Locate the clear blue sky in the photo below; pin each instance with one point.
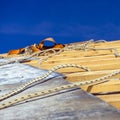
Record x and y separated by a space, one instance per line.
24 22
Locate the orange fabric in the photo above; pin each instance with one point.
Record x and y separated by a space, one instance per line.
18 51
38 47
59 46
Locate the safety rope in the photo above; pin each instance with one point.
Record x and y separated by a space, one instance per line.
24 86
85 46
57 89
45 53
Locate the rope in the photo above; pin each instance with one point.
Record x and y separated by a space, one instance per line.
24 86
85 46
55 52
116 53
25 57
57 89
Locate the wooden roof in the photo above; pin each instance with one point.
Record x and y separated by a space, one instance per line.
78 104
101 62
73 104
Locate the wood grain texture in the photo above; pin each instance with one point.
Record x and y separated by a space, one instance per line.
101 62
72 104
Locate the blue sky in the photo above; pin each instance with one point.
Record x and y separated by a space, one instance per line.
24 22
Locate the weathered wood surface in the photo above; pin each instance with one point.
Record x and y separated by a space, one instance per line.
72 104
17 74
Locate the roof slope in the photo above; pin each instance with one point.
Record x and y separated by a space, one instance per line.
101 61
70 103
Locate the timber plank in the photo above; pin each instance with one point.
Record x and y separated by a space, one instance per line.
83 76
105 87
93 67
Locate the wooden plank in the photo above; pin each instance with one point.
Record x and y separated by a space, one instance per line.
102 65
94 67
83 62
106 87
87 53
75 77
82 59
59 58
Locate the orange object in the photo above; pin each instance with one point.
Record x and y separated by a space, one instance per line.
35 48
59 46
18 51
42 47
41 44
